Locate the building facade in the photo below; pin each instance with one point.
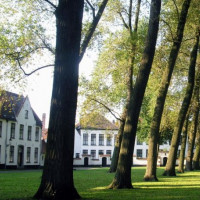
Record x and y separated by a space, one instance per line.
20 132
94 146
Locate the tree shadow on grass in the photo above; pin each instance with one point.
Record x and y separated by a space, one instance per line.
145 193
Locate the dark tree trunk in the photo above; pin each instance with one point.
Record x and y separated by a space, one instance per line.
183 146
133 34
122 177
171 162
155 124
193 128
196 156
57 179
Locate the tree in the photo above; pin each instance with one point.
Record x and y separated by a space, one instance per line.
194 123
183 146
57 178
133 38
170 168
122 177
196 156
158 110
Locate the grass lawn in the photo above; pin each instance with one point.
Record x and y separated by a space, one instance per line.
91 184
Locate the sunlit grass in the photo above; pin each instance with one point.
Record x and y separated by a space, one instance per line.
183 186
92 185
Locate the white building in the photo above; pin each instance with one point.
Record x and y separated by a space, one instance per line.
20 132
94 145
94 142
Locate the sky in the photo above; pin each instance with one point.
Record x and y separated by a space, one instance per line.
39 87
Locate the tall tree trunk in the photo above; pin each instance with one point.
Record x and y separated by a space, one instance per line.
122 177
193 128
133 34
183 146
57 179
196 156
171 162
158 110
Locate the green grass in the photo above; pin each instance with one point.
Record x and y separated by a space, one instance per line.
91 185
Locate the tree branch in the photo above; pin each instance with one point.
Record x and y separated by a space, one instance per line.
170 30
92 29
178 15
92 7
137 16
51 4
130 15
28 74
106 107
124 23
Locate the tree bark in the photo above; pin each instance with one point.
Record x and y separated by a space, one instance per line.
158 110
122 177
133 34
193 128
196 156
57 179
183 146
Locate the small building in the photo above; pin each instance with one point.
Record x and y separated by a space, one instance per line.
20 132
94 142
94 145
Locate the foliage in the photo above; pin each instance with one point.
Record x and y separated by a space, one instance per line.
24 37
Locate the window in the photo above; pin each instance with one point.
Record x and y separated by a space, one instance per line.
21 132
29 132
138 142
108 152
101 152
0 128
139 153
28 155
12 131
36 155
109 140
93 139
85 152
77 155
26 114
11 156
37 134
101 139
85 139
93 153
146 152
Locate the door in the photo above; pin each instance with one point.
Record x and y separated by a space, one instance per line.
104 162
20 159
85 161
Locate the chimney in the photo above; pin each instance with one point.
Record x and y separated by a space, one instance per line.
43 122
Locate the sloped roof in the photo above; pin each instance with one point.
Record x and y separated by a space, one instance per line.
97 122
37 119
11 104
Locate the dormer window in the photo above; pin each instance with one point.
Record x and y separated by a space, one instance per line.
26 114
